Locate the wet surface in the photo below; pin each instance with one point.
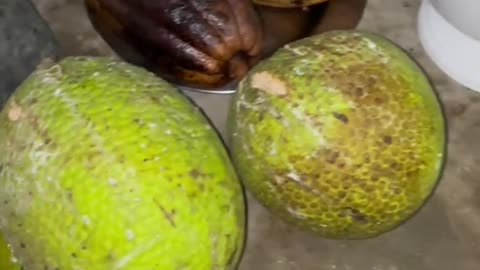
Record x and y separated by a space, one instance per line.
444 235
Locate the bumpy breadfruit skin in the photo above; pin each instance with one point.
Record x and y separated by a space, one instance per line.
339 134
105 167
6 256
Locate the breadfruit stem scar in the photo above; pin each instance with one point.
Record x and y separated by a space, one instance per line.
15 112
269 83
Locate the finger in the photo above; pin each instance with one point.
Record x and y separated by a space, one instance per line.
249 25
238 67
339 15
149 34
219 16
187 20
199 79
281 26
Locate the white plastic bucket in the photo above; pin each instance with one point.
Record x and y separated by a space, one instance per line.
450 34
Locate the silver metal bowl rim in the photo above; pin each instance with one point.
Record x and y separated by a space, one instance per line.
225 90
